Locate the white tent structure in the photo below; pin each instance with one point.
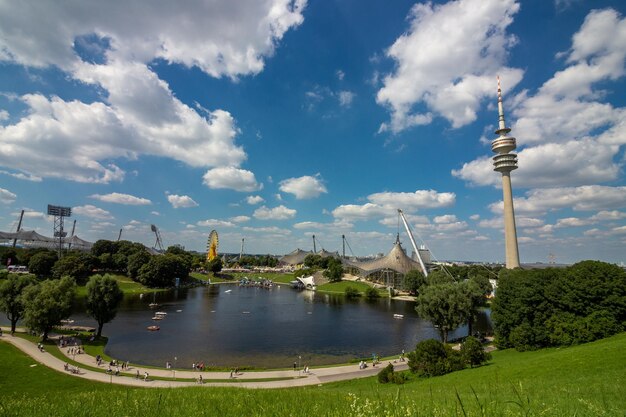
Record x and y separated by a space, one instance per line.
32 239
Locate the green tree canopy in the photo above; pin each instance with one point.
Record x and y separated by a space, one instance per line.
136 261
103 298
445 305
47 303
41 263
77 266
11 301
215 265
413 281
334 270
162 270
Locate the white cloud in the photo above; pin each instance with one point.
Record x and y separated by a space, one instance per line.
254 199
119 198
585 198
277 213
181 201
340 74
6 196
240 219
420 199
447 218
572 222
231 178
215 223
366 211
21 176
475 217
92 211
345 98
448 60
4 115
561 149
304 187
271 230
141 115
605 215
155 213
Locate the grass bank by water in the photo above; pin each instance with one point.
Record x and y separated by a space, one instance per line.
586 380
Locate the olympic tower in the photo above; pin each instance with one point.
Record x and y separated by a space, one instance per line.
505 162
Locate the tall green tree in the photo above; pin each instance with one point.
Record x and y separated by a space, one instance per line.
445 305
162 270
476 290
413 281
41 263
334 270
11 301
47 303
77 266
103 298
136 261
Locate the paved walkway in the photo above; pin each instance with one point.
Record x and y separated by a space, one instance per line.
314 377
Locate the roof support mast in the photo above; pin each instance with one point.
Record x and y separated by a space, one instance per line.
417 252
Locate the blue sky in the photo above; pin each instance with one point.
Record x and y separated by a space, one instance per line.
275 120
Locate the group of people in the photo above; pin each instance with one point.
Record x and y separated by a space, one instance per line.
145 375
40 347
70 368
234 372
197 366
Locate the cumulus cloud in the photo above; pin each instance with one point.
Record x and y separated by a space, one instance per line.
215 223
447 62
92 211
240 219
231 178
345 98
254 199
419 199
272 230
181 201
22 176
118 198
277 213
584 198
559 149
6 196
140 115
304 187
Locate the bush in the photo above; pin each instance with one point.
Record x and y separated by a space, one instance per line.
372 293
473 353
386 374
351 292
429 358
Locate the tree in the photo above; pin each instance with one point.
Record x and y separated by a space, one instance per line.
473 353
103 246
47 303
103 298
161 270
439 277
413 281
476 292
214 265
11 297
41 263
334 270
77 266
7 254
136 261
432 358
445 305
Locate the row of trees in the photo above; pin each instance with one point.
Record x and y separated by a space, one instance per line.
553 307
42 305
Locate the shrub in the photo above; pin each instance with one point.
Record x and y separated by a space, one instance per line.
386 374
429 358
473 353
372 293
351 292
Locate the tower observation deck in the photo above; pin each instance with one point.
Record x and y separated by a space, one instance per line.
505 162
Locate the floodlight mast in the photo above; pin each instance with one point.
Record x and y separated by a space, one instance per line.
417 252
59 213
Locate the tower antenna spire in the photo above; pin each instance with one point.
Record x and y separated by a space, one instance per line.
505 162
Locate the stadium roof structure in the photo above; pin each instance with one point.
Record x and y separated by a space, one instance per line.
30 238
396 260
295 258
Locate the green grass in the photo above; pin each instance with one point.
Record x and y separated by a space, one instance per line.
127 285
585 380
340 287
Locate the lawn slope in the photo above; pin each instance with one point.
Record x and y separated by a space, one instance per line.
586 380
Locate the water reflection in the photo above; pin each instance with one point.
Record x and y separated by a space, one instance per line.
227 325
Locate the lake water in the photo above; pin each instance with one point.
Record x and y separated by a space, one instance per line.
228 325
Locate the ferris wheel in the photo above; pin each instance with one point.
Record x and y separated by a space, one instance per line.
211 246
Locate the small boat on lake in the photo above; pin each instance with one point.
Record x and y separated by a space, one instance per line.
398 316
157 318
161 313
153 328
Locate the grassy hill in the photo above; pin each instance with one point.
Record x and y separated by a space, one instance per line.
585 380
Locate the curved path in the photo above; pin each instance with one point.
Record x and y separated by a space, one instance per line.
295 378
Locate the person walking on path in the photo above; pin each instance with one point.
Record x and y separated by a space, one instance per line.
294 366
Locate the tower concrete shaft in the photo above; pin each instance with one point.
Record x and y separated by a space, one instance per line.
505 162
